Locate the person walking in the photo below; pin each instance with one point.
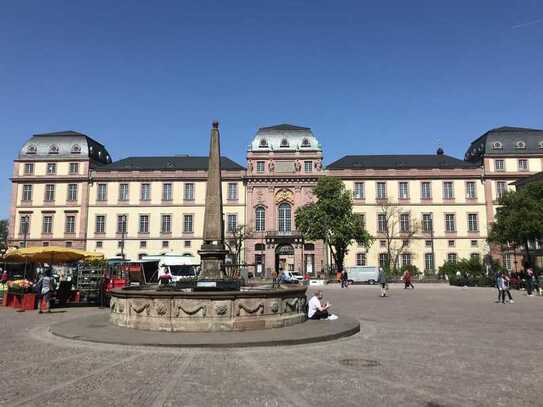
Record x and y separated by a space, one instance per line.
503 286
46 285
381 279
530 279
407 279
497 284
344 279
274 279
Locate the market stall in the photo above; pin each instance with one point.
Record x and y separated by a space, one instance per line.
20 293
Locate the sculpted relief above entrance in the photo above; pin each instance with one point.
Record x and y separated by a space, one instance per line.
284 195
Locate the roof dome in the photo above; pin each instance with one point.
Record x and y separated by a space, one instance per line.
284 137
62 145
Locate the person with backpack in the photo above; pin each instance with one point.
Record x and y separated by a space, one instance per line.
45 288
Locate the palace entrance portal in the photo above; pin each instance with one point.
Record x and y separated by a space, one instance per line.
284 258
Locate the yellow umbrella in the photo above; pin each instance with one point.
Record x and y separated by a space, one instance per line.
13 255
50 255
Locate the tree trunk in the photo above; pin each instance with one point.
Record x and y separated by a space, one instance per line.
528 257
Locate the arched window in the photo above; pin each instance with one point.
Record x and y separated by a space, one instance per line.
53 149
284 143
76 149
306 143
541 145
260 219
285 218
520 145
263 143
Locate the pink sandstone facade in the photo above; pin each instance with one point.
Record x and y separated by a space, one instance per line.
283 165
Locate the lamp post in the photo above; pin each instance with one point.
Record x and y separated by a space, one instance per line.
432 239
123 235
25 219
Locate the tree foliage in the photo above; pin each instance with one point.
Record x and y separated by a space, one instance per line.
519 219
470 272
234 242
331 219
397 240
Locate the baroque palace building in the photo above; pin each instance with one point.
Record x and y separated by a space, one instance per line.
67 191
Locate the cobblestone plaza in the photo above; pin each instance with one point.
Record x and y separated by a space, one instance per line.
432 346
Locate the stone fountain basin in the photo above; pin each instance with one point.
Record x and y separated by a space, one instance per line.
197 311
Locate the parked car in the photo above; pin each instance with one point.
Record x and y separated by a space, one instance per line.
297 275
287 277
363 274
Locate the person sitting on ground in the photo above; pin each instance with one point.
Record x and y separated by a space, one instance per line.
165 278
316 310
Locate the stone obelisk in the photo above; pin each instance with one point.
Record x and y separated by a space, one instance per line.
212 252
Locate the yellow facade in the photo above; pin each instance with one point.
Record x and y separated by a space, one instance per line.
461 242
59 179
179 239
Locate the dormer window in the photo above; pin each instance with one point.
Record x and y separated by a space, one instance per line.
284 143
53 149
520 145
263 143
541 145
306 143
497 145
31 149
76 149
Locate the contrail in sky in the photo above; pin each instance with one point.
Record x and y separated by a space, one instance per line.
539 20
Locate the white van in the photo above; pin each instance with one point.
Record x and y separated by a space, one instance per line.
180 266
363 274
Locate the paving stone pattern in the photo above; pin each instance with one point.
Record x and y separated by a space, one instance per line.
435 346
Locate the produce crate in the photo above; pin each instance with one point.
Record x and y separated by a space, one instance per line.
21 301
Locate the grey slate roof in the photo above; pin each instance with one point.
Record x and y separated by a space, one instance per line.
64 144
400 162
506 141
284 126
285 137
169 163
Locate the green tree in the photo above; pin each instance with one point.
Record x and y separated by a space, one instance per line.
519 219
332 220
234 242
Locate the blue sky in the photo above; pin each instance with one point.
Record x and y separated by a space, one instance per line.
148 78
